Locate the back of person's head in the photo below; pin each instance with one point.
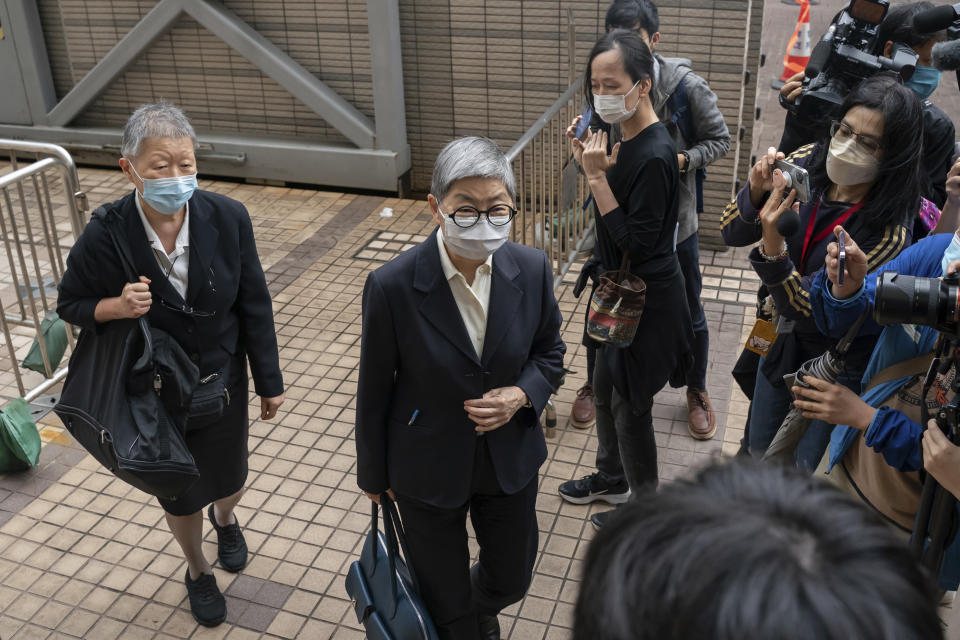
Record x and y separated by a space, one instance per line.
894 197
634 53
898 27
749 552
633 14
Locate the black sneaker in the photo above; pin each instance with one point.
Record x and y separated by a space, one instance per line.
207 604
592 488
600 519
231 547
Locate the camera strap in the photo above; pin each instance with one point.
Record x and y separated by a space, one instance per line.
809 240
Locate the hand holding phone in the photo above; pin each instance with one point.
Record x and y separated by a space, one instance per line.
797 178
841 255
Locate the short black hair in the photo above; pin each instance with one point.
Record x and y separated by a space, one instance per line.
634 52
746 551
630 14
898 26
894 197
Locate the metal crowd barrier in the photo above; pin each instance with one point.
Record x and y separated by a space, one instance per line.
551 195
550 189
37 231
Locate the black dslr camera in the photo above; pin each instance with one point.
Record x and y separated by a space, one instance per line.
845 56
932 302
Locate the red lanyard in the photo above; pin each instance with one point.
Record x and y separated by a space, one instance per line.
808 236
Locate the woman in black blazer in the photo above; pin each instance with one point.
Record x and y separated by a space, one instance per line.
460 352
200 281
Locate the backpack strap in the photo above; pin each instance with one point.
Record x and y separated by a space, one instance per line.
907 368
682 117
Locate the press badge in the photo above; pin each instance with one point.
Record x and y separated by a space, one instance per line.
761 337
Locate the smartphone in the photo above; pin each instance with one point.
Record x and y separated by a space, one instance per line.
797 178
584 122
841 255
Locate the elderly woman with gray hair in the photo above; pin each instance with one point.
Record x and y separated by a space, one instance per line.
460 352
200 280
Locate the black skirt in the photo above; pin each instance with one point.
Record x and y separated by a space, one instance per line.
662 350
219 447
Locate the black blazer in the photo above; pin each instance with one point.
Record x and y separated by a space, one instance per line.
416 355
224 277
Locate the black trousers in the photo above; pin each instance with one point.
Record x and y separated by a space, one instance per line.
626 447
506 527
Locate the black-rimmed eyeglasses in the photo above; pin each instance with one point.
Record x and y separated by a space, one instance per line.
468 216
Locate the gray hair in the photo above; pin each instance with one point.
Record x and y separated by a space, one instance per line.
471 157
158 120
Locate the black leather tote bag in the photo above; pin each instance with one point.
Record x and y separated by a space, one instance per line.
383 588
126 397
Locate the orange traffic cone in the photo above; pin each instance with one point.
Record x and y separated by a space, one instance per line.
798 50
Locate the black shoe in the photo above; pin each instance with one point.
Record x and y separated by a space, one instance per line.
592 488
489 627
231 547
600 519
207 604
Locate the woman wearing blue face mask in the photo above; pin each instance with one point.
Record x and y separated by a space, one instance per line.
200 280
636 190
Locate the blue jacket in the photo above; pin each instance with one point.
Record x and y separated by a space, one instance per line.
890 433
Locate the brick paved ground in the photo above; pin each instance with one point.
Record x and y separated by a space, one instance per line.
84 555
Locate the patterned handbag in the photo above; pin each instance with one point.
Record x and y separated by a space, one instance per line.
616 306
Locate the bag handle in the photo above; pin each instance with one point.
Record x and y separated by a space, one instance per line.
401 537
391 535
108 218
624 266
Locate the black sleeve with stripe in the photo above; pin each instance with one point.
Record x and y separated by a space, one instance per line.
791 291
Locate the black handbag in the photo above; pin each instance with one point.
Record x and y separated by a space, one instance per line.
383 588
127 394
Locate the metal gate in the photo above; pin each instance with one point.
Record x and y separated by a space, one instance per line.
41 215
183 50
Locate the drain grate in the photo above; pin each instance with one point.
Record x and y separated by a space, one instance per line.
387 245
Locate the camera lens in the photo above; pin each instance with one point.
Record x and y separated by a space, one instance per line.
905 299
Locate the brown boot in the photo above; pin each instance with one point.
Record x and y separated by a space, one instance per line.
701 421
583 415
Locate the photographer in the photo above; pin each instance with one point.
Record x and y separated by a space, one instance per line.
866 177
877 443
938 130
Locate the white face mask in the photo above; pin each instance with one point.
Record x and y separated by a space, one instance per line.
613 109
477 242
849 163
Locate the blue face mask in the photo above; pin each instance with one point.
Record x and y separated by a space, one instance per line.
952 253
924 81
167 195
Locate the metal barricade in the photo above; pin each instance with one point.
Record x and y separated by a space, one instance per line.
551 191
41 214
552 194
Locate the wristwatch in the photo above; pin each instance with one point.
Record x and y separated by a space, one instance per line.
528 404
686 161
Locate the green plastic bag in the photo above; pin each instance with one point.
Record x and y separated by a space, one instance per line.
19 438
54 332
